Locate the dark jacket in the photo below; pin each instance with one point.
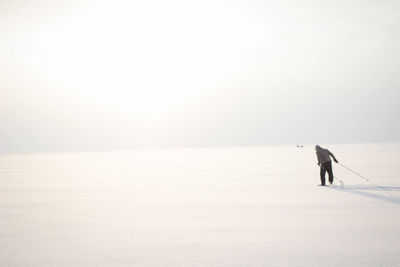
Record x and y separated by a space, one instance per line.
324 155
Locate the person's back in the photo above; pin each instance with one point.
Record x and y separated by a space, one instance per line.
323 154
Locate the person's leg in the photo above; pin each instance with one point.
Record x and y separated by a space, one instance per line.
322 174
328 168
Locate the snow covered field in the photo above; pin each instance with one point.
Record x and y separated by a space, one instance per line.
254 206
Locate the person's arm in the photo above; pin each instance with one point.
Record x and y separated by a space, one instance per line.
334 159
319 162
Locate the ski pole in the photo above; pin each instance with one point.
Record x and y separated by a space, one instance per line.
354 172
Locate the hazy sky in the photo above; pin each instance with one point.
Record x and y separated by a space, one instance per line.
93 75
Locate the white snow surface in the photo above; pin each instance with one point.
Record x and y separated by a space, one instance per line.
244 206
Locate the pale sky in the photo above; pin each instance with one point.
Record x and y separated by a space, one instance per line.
105 75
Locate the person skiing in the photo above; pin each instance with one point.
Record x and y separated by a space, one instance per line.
325 163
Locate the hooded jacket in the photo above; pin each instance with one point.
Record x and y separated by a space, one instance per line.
324 155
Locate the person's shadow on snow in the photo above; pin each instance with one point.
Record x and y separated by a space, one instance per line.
365 190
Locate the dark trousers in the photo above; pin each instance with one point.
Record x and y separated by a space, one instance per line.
326 167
